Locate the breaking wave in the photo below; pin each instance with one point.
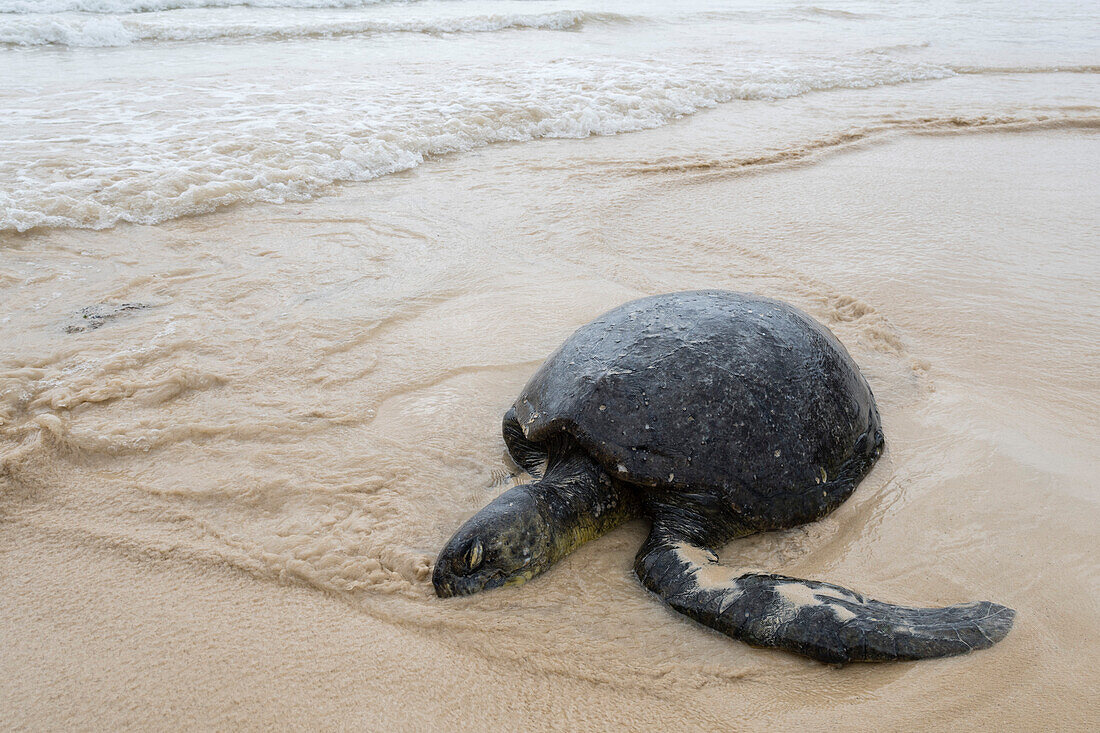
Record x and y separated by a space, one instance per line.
197 160
101 31
815 11
36 7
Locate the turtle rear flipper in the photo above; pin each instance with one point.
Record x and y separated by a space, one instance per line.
818 620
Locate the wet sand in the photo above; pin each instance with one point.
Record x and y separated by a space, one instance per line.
221 509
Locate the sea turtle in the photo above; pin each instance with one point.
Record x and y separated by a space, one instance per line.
716 414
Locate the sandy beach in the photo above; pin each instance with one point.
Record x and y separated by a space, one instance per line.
272 272
221 511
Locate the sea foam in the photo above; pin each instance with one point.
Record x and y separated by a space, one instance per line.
247 143
35 7
98 31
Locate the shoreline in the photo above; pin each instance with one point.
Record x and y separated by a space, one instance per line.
755 148
165 613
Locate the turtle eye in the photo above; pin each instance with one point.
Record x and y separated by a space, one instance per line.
473 555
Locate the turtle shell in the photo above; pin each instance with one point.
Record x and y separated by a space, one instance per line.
707 391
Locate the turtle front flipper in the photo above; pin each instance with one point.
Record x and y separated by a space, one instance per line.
528 455
818 620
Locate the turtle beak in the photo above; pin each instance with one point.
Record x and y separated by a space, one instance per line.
443 586
448 585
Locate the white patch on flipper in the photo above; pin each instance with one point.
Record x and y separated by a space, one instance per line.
796 596
842 614
694 555
708 574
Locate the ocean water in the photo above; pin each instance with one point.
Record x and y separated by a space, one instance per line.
272 271
143 111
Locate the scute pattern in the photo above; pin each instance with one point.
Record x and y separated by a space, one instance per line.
736 396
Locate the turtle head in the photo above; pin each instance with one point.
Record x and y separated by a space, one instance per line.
508 542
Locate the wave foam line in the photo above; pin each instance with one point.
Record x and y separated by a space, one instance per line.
1067 69
181 165
813 150
98 32
125 7
115 7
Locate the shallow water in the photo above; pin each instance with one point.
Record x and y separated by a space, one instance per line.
184 107
314 396
311 390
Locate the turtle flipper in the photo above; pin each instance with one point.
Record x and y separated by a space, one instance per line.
529 456
818 620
